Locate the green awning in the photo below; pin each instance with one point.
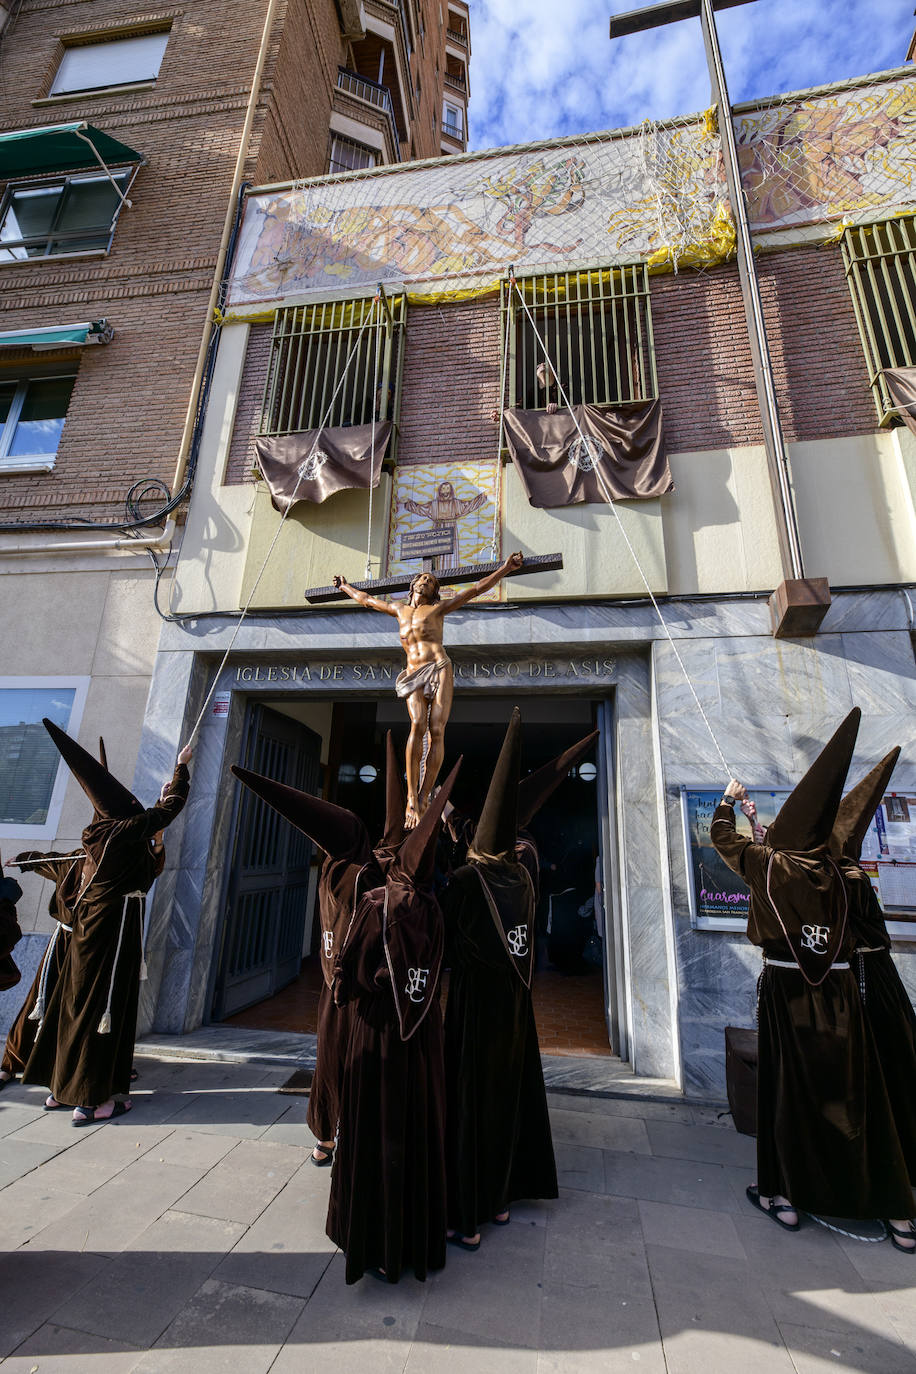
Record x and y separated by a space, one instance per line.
58 335
60 148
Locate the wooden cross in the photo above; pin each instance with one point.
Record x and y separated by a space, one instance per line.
545 562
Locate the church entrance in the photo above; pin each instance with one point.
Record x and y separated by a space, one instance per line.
575 927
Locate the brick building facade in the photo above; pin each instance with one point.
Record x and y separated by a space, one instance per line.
181 106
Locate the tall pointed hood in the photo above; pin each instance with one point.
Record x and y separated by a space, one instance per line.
417 855
858 807
395 797
537 787
111 800
806 818
103 753
334 829
498 825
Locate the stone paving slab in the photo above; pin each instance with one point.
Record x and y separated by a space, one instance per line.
188 1238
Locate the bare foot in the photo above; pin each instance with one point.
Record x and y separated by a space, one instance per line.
789 1218
412 816
904 1237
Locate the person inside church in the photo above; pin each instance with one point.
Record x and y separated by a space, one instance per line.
818 1149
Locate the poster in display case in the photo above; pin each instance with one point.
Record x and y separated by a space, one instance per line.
719 899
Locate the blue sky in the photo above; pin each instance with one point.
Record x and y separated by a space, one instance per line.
546 68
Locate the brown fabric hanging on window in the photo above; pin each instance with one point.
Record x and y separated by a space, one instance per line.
901 383
620 454
341 460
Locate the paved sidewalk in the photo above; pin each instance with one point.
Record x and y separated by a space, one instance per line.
189 1236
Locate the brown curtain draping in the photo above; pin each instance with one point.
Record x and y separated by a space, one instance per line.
901 383
619 456
342 458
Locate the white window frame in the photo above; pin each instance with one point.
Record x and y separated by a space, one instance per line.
26 462
447 126
68 59
124 176
48 830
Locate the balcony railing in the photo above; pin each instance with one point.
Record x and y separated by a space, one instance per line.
452 131
458 82
373 94
457 37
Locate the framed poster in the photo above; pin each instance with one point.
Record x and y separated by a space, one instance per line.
719 899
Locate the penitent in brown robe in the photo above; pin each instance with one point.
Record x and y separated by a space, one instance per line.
85 1046
63 871
498 1142
387 1208
888 1009
826 1137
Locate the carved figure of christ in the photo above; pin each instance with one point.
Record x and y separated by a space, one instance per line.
427 683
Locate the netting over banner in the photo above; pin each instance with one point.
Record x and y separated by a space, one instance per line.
450 228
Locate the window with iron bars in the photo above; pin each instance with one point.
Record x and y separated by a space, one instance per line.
315 378
880 262
597 329
346 155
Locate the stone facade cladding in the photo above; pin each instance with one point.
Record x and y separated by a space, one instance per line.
131 397
452 365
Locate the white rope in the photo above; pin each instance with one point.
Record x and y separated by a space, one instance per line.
626 540
376 405
104 1026
279 529
838 1230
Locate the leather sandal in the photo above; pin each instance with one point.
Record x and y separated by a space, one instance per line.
502 1221
88 1116
774 1210
909 1234
328 1157
455 1239
51 1104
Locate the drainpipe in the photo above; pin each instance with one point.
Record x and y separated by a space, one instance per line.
185 445
162 540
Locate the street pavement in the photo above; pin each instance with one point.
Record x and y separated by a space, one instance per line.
189 1236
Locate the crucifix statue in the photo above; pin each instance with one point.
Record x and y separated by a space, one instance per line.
426 684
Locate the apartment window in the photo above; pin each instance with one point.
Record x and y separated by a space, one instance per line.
597 328
347 155
452 120
309 358
32 414
74 214
33 777
114 62
880 270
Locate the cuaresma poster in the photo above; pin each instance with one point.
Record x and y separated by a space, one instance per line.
718 897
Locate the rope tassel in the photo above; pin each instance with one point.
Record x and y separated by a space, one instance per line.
104 1026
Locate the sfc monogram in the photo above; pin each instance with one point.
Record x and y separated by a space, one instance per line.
816 938
416 983
518 940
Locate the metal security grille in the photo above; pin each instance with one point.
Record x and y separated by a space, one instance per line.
267 892
597 328
880 261
308 356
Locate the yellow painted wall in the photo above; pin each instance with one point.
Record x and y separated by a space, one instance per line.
314 543
855 500
596 560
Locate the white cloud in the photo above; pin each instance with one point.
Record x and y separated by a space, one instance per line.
544 68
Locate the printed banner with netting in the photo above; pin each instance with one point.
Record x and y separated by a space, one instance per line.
657 194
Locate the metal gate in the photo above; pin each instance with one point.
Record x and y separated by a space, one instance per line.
266 904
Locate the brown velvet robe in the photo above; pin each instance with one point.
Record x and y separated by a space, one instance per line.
498 1143
339 887
388 1207
65 877
83 1066
826 1137
888 1009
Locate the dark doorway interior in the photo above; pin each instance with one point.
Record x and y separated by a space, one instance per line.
569 985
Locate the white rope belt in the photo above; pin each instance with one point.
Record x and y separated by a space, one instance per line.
104 1026
38 1011
790 963
872 949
